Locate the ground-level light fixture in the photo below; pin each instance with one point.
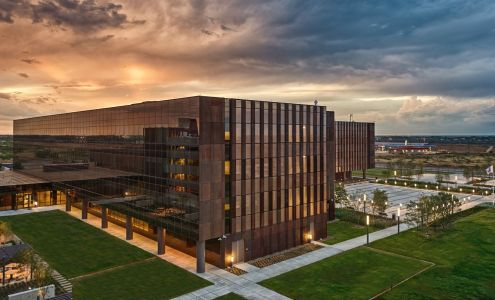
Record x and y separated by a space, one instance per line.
367 229
398 219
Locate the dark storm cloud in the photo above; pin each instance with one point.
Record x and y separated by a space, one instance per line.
81 16
436 46
24 75
9 8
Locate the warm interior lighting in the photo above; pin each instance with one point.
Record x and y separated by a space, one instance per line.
232 259
227 167
227 135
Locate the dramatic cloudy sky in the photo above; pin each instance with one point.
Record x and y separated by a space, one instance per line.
414 67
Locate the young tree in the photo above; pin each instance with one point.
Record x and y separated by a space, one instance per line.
341 196
5 232
420 171
27 258
42 276
439 177
354 201
389 171
380 201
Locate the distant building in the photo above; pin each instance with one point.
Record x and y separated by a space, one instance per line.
354 148
394 147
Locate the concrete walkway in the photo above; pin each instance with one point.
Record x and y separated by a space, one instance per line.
24 211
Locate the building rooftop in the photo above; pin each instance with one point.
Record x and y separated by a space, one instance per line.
11 178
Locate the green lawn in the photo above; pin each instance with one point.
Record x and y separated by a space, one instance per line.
230 296
377 172
357 274
70 246
464 258
105 267
149 279
339 231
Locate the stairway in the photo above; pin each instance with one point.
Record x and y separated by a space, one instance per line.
62 282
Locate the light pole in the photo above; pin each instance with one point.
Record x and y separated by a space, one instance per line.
364 202
367 229
398 220
4 262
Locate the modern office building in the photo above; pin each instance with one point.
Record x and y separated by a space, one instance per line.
220 179
354 148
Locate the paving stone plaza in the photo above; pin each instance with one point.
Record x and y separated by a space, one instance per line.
400 194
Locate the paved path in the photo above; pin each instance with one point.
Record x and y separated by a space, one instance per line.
23 211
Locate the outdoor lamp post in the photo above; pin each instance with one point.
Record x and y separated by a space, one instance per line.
364 203
4 262
398 220
367 229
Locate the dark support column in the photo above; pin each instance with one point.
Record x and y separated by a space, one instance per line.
54 197
364 173
14 201
84 209
68 199
160 237
128 228
104 220
200 256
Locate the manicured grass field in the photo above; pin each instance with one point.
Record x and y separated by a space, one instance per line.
464 258
341 231
105 266
70 246
230 296
145 280
377 172
357 274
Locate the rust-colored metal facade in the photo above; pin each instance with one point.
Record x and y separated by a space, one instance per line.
279 176
241 178
354 148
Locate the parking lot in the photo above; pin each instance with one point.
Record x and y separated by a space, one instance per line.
399 194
